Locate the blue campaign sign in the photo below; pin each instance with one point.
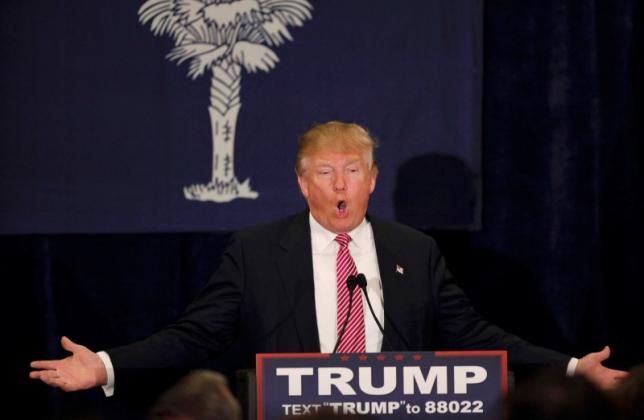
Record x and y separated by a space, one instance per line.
167 115
450 385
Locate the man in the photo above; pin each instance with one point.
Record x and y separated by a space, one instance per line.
281 287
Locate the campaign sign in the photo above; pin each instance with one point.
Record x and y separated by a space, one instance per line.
450 385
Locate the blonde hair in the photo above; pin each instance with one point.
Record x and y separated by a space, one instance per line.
335 136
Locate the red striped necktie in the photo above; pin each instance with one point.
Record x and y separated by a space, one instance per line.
354 335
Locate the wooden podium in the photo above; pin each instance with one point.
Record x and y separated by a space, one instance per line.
453 385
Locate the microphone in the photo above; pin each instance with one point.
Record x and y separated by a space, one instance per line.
351 285
361 281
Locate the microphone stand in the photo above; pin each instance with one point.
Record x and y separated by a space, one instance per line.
362 283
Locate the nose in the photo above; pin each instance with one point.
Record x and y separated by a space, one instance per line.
339 184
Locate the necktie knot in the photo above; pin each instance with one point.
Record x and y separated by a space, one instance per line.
343 239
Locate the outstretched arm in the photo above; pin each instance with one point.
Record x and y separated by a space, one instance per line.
591 367
82 370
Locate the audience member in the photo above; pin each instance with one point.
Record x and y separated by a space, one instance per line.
552 395
629 395
200 395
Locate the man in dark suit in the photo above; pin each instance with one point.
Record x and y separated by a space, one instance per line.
280 287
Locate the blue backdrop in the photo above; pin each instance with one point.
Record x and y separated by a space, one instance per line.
102 132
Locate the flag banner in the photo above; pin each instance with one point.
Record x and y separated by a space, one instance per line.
170 115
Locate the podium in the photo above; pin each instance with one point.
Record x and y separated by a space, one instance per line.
395 385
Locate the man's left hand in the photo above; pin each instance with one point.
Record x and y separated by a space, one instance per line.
591 367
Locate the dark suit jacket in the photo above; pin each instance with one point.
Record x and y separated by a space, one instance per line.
262 294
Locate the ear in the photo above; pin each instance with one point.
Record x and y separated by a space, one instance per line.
372 185
304 186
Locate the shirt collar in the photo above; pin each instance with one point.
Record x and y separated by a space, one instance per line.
323 240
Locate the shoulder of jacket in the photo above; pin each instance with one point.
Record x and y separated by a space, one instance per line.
400 232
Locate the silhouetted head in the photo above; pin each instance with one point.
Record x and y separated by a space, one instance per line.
554 396
200 395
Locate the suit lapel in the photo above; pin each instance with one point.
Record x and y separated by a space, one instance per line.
296 269
389 259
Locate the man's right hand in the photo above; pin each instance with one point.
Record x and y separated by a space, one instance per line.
82 370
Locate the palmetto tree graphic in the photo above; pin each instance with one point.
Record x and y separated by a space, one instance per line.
222 36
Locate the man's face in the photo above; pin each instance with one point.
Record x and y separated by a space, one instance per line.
337 188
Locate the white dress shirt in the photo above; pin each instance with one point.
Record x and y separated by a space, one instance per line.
363 250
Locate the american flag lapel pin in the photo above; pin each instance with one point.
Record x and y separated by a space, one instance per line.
400 270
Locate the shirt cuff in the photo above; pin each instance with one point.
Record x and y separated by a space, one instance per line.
572 366
108 388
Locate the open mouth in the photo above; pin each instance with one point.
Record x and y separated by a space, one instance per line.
342 206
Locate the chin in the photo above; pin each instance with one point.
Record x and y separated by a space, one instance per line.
344 226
